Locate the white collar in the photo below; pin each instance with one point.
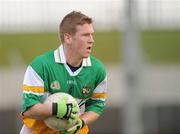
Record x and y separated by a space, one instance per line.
59 57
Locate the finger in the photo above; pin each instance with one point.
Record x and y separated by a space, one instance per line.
78 121
75 104
75 110
74 116
69 121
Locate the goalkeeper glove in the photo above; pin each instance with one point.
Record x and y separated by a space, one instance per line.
64 110
80 124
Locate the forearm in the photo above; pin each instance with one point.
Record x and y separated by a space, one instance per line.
39 111
89 117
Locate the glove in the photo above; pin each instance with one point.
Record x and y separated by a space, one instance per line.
64 110
80 124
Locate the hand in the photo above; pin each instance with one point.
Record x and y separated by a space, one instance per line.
80 124
64 110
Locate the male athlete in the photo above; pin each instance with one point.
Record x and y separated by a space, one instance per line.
70 69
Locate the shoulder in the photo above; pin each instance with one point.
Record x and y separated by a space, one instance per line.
44 58
99 68
96 63
42 62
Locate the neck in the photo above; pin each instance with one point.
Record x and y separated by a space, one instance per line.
72 58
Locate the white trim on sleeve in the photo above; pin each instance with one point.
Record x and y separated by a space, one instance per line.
31 78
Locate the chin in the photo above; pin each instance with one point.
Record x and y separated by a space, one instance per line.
86 56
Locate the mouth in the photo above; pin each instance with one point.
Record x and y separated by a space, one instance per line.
89 49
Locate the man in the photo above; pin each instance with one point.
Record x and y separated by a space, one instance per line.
70 69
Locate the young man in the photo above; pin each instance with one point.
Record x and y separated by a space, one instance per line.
70 69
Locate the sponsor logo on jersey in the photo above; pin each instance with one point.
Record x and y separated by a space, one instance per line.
71 82
55 85
86 90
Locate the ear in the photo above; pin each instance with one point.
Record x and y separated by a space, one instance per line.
67 38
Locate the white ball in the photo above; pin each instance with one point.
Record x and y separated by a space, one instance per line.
56 123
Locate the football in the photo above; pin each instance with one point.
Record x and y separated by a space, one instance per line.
56 123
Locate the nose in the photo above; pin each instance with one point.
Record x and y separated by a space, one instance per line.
91 39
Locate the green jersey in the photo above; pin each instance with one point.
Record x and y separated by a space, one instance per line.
49 73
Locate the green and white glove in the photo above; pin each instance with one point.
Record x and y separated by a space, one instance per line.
64 110
80 124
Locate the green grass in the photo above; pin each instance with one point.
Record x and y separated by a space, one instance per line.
158 46
162 46
26 45
30 45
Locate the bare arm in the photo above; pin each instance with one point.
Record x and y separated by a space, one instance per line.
39 111
90 117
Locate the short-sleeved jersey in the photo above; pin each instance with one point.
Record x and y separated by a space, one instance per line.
49 73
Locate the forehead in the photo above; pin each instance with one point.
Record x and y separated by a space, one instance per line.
87 28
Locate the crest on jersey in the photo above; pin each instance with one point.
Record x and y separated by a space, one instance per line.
55 85
86 90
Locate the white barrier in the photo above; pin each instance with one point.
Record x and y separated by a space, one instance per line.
159 85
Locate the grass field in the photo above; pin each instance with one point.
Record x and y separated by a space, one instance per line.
158 46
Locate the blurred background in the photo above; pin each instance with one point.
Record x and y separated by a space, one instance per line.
138 41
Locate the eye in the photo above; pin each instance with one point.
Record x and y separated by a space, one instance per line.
86 34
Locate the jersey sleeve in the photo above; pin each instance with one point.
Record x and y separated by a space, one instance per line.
33 89
97 101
